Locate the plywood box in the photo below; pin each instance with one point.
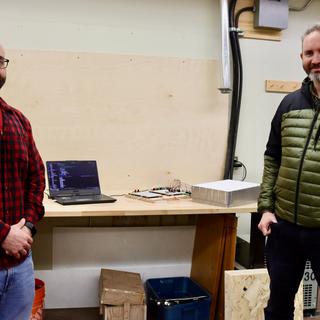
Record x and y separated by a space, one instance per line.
247 294
125 312
122 296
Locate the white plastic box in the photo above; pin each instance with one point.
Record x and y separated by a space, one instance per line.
226 192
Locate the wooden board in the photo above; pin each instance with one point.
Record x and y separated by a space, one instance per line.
247 293
282 86
125 206
120 287
146 120
246 24
129 312
214 252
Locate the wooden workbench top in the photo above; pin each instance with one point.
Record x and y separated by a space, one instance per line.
133 207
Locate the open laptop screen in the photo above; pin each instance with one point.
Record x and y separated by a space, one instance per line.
72 178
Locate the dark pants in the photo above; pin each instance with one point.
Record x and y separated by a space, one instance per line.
288 247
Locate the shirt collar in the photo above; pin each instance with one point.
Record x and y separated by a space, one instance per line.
4 105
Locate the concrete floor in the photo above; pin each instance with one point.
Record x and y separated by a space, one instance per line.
312 317
72 314
93 314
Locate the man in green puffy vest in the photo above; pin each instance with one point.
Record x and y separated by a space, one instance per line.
290 191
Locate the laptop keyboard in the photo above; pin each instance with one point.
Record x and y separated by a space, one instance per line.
99 198
84 198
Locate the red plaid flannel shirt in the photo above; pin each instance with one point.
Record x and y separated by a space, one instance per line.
22 179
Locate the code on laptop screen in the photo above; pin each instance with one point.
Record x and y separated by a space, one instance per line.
74 177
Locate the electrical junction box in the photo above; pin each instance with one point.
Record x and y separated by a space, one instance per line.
226 192
271 14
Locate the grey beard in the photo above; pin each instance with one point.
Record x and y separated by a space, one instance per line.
315 77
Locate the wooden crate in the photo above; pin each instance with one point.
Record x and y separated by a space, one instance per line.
125 312
122 295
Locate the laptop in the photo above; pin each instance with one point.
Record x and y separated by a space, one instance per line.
75 182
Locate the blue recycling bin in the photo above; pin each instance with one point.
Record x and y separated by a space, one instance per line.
176 298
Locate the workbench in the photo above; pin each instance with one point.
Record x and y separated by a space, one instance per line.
215 237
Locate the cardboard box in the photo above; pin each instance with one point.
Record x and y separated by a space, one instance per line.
226 192
122 295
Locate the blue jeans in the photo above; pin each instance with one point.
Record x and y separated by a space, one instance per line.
287 250
17 291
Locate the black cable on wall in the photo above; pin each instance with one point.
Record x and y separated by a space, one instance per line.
236 87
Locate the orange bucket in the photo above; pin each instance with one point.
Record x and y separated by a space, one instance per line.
38 302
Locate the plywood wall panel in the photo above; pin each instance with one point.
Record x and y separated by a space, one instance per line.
146 120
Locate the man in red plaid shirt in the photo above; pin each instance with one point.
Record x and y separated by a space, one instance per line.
21 193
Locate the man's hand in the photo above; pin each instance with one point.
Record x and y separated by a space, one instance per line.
18 241
267 219
27 230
